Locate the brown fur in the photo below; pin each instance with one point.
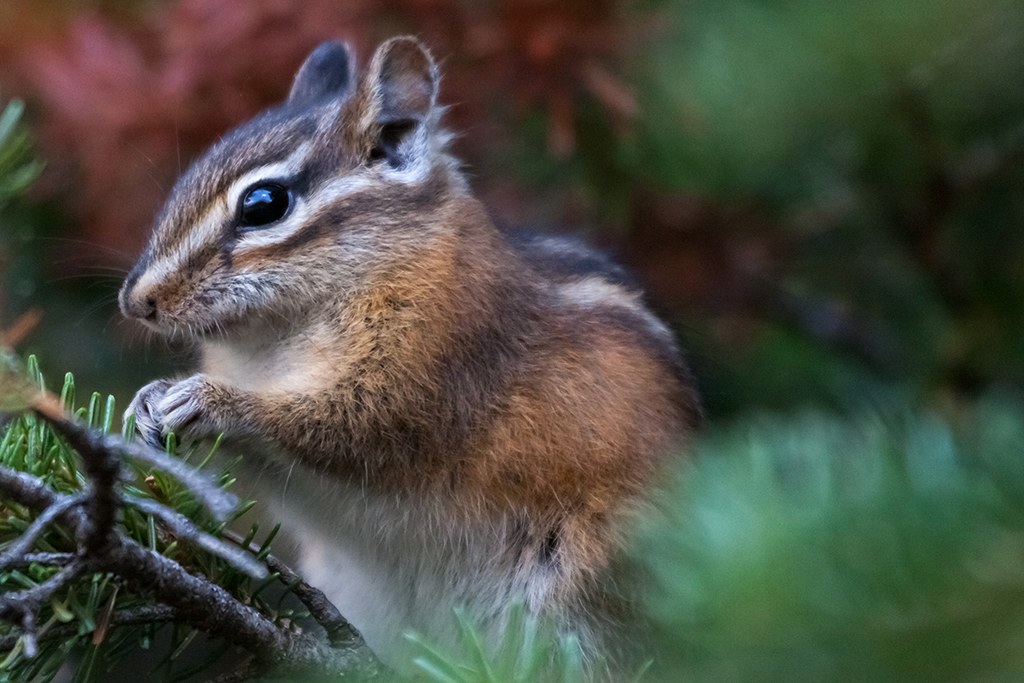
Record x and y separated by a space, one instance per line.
497 402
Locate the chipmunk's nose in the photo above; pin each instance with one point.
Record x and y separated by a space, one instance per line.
134 303
139 307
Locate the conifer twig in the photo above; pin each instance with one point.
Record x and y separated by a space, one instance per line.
26 603
183 527
92 443
197 602
19 548
146 614
25 560
33 493
340 632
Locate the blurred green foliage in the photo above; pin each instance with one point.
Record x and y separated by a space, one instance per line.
788 98
528 653
880 145
888 547
17 166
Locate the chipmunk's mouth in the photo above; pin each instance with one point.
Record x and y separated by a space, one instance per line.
162 319
203 323
188 330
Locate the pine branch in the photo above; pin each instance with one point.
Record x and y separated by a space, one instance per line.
25 604
340 632
103 548
100 451
20 548
183 528
59 559
149 614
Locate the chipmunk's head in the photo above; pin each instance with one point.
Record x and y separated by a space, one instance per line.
319 195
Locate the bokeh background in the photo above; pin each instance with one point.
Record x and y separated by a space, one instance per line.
825 200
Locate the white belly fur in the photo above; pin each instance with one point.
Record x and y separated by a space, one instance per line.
386 563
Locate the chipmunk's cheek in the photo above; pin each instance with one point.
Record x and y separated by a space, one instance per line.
193 301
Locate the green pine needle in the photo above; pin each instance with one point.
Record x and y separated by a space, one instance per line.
30 445
529 652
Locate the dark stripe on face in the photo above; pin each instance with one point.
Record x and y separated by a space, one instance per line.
333 218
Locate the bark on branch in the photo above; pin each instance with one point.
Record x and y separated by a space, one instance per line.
178 595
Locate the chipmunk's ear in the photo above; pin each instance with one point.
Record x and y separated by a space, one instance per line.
327 73
395 99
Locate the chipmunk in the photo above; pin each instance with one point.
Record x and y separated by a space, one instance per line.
447 414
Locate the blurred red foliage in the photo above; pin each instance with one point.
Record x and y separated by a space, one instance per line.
123 100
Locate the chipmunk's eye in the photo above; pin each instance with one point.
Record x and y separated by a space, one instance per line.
263 204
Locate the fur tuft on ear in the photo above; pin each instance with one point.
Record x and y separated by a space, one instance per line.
406 80
327 73
396 97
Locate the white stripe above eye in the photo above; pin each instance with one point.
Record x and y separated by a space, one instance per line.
282 169
296 216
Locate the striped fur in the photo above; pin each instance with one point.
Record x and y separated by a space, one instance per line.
440 413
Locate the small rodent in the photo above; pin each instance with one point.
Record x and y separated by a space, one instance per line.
440 414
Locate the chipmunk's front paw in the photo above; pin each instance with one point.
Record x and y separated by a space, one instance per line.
189 408
145 408
193 407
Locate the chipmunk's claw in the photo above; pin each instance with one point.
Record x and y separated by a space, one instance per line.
165 406
148 417
186 410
